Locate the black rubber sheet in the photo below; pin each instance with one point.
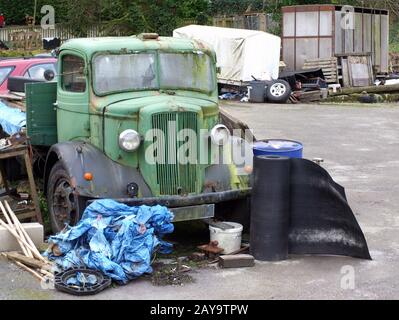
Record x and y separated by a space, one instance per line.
297 208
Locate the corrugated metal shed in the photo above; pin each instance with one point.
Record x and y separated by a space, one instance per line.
322 31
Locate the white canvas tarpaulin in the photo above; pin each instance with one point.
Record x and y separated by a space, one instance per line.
242 54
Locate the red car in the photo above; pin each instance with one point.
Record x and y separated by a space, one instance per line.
32 68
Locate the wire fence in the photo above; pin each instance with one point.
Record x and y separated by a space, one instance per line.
59 31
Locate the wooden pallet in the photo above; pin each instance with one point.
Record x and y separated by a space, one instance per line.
353 78
310 96
328 65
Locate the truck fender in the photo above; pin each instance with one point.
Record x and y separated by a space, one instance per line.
110 179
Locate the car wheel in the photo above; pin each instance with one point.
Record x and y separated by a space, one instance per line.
63 203
278 91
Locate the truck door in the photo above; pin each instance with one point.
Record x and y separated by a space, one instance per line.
73 120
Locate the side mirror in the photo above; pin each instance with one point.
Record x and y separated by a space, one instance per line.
49 75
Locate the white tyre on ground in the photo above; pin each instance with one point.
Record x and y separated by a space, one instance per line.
278 91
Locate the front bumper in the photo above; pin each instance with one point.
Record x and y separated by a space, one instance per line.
189 208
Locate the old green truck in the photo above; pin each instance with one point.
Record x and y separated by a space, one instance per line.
96 125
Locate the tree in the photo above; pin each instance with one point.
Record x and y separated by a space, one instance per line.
16 10
161 16
81 15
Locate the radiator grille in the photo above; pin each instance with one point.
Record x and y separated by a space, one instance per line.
174 178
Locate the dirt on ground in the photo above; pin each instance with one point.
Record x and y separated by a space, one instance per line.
171 275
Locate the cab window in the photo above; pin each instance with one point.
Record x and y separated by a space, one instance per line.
73 78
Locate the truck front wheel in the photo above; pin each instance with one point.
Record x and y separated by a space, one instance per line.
63 204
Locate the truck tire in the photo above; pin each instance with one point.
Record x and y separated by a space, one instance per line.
278 91
63 203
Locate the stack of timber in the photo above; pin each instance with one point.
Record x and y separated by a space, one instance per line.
30 258
328 65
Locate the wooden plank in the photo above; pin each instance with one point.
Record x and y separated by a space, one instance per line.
322 60
25 236
33 263
33 272
15 235
330 76
18 231
10 96
327 65
32 184
327 68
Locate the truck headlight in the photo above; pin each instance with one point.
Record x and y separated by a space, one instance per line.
220 135
129 140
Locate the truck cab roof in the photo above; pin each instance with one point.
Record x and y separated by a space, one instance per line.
91 46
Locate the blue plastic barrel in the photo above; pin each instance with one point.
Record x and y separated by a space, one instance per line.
281 148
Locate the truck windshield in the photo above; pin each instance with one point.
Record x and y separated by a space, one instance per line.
115 73
186 71
124 72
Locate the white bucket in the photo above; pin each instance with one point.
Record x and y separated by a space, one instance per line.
230 239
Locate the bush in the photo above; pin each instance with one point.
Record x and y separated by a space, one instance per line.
18 53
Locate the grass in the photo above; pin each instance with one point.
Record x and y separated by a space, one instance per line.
45 213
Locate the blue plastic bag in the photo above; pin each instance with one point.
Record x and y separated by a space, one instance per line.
12 120
116 239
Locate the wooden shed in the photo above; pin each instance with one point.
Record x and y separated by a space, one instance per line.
324 31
